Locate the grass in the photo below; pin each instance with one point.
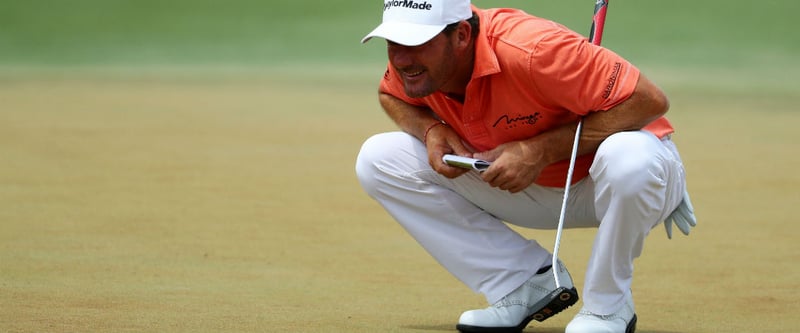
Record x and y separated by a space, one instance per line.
176 32
161 170
199 204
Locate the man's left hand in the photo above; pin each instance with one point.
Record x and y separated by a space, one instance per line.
683 217
514 166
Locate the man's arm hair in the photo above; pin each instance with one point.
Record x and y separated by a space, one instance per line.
410 118
645 105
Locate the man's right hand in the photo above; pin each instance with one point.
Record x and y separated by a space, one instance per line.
441 140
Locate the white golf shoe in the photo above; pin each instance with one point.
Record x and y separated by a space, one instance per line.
538 298
622 321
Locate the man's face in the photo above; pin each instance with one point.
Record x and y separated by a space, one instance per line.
426 68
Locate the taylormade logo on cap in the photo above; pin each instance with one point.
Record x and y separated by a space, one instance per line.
414 22
407 4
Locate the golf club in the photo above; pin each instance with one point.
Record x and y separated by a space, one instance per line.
595 36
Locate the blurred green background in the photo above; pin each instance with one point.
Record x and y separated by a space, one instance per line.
713 44
708 34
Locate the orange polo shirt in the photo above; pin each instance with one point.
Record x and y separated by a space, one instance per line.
531 75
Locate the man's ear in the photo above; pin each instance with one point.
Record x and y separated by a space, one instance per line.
463 34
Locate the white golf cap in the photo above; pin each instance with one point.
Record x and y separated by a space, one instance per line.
413 22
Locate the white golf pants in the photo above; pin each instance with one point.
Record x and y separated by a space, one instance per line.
635 181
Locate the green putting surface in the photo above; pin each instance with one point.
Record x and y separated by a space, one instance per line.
188 166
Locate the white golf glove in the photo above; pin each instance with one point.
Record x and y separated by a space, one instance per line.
682 216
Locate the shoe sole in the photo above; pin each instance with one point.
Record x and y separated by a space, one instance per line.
631 325
555 302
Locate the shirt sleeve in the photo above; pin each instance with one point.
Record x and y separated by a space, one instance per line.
574 74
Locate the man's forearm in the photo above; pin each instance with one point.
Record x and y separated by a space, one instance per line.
645 105
411 119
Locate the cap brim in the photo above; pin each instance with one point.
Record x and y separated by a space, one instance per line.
403 33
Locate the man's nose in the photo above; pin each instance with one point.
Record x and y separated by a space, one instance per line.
400 56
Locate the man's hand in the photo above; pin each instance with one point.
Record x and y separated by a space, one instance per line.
420 122
441 140
515 165
682 216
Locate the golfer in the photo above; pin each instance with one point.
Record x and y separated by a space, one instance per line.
509 88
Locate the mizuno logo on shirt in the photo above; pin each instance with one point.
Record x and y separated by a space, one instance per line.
411 4
612 80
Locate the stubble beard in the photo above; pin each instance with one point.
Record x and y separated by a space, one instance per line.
434 80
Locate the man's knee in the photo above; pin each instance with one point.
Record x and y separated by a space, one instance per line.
629 162
376 157
366 163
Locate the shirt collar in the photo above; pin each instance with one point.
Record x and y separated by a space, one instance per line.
485 59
